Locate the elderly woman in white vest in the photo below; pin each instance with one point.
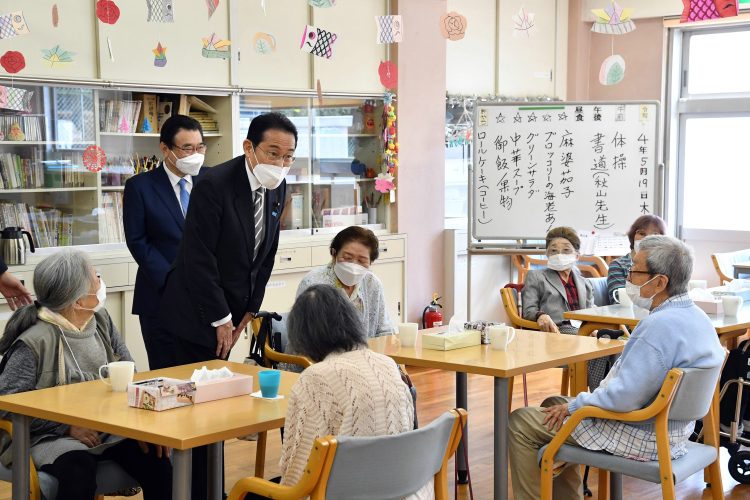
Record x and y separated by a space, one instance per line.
63 338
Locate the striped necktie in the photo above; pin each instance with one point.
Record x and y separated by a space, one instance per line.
258 218
184 196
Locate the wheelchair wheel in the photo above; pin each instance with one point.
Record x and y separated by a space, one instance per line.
739 467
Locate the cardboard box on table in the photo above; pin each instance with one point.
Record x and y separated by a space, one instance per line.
163 393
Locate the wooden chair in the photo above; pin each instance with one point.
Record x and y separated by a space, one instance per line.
723 263
110 477
392 466
271 355
686 394
595 267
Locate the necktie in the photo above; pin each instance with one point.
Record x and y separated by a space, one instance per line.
184 196
258 218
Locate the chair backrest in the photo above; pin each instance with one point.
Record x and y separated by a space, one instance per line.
393 466
694 394
601 297
590 265
271 355
723 263
510 294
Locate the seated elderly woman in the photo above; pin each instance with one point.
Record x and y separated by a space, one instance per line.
645 225
63 338
353 250
349 391
547 293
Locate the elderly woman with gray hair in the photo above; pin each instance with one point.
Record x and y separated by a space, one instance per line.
63 338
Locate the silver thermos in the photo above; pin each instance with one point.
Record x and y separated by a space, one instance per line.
13 247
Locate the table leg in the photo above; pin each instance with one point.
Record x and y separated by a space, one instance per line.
501 438
21 457
462 402
615 486
182 464
215 469
260 454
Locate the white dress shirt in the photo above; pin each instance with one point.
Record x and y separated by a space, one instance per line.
175 179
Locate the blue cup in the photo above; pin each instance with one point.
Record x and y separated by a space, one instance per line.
269 381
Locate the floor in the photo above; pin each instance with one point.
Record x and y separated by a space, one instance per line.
436 395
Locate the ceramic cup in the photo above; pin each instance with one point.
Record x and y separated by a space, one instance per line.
269 381
501 336
407 334
731 304
622 298
120 374
697 284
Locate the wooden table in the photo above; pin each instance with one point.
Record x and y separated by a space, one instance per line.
95 406
741 268
530 351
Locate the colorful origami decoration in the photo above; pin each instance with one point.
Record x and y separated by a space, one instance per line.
216 48
700 10
384 181
160 55
613 20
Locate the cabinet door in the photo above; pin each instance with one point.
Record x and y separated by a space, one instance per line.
130 329
392 276
268 45
472 55
356 53
527 61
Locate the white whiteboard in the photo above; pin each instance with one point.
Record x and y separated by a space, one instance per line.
590 166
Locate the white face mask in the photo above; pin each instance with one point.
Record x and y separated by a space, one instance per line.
634 292
101 295
269 176
561 261
190 165
350 273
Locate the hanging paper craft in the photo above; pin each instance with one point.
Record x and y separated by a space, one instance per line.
211 4
727 8
524 23
318 42
160 56
322 3
55 16
107 11
56 55
389 29
94 158
3 96
612 71
160 11
13 24
216 48
613 20
12 61
264 43
384 183
16 99
389 165
700 10
388 73
453 26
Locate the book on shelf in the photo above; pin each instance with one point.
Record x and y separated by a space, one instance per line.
17 172
112 230
207 121
15 127
119 116
49 227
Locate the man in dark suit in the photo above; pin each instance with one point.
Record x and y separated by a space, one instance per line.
154 207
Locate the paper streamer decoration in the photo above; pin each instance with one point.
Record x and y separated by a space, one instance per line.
524 24
56 55
453 26
612 71
107 11
613 20
55 16
94 158
12 61
388 73
160 11
384 182
160 55
16 99
264 43
216 48
12 25
389 29
211 4
318 42
322 3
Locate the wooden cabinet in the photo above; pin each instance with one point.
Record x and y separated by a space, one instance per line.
392 276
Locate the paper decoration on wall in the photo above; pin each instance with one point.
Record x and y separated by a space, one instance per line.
727 8
13 24
388 73
211 4
55 16
700 10
318 42
216 48
613 20
322 3
107 11
160 11
94 158
389 29
109 48
160 55
389 165
453 26
56 55
13 61
15 99
384 183
524 24
612 71
264 43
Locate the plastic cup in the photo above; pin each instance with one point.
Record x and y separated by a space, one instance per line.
407 333
269 381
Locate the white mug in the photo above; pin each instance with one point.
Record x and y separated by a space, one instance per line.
621 297
120 374
692 284
501 336
407 334
731 304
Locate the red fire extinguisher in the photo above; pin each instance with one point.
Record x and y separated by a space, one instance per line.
431 316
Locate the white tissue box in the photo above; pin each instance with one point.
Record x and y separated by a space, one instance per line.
160 394
446 342
710 306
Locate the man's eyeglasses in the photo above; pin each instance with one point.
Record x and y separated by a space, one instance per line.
274 157
189 150
630 273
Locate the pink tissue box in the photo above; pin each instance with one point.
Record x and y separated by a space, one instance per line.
710 306
211 390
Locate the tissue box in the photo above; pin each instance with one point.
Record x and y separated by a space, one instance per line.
160 394
723 290
211 390
445 342
710 306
